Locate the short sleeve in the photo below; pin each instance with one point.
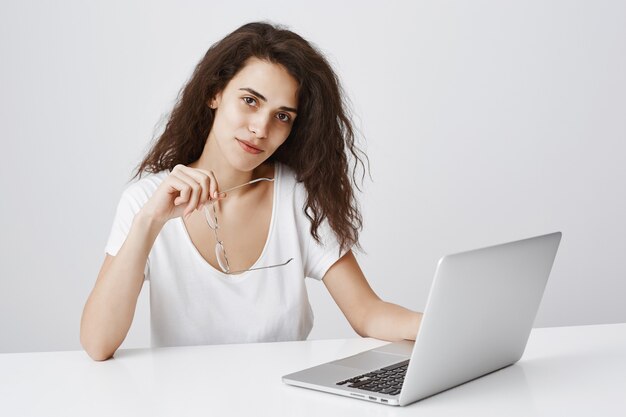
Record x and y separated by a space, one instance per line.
318 256
129 205
321 256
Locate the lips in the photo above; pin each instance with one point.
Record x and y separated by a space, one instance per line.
249 147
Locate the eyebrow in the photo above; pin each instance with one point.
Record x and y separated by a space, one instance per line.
262 97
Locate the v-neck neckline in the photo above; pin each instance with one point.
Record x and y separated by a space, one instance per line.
239 277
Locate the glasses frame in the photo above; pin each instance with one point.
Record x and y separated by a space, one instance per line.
220 251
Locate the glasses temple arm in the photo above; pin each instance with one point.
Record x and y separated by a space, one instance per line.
248 183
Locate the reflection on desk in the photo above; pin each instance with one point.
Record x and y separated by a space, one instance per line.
568 371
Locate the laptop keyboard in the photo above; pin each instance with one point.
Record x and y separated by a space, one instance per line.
387 380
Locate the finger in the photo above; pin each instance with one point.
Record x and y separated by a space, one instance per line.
180 187
185 173
202 178
214 189
195 192
205 178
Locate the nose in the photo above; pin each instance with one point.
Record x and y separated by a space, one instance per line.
259 126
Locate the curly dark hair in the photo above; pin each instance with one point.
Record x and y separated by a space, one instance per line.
320 139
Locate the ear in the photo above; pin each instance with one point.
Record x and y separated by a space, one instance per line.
215 101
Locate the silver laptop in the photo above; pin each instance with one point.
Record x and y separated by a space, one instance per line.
477 320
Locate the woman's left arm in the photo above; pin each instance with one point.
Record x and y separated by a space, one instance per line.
368 315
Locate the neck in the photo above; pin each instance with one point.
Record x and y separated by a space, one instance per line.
227 176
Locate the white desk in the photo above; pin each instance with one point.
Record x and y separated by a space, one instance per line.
565 371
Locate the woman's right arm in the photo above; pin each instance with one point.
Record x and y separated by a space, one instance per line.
110 308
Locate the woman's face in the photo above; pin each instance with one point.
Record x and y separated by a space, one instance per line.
254 114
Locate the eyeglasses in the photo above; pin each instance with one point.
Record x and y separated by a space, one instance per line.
220 252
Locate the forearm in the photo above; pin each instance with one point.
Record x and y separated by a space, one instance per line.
110 307
387 321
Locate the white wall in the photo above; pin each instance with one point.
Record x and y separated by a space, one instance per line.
485 121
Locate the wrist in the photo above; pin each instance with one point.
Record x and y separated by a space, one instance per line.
414 324
148 222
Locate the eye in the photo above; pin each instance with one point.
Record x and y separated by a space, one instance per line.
250 101
283 117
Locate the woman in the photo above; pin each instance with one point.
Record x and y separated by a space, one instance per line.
247 192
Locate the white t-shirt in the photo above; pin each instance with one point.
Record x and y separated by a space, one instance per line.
192 303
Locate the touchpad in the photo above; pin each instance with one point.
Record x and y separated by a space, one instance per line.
369 360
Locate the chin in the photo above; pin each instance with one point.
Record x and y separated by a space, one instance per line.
246 164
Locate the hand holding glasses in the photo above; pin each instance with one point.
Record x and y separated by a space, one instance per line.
220 253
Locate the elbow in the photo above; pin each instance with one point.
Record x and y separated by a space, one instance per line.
360 332
98 355
359 325
364 330
98 358
97 349
97 352
362 321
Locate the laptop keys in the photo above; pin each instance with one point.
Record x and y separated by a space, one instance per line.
360 383
387 380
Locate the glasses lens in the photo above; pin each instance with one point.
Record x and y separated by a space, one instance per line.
220 254
210 216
